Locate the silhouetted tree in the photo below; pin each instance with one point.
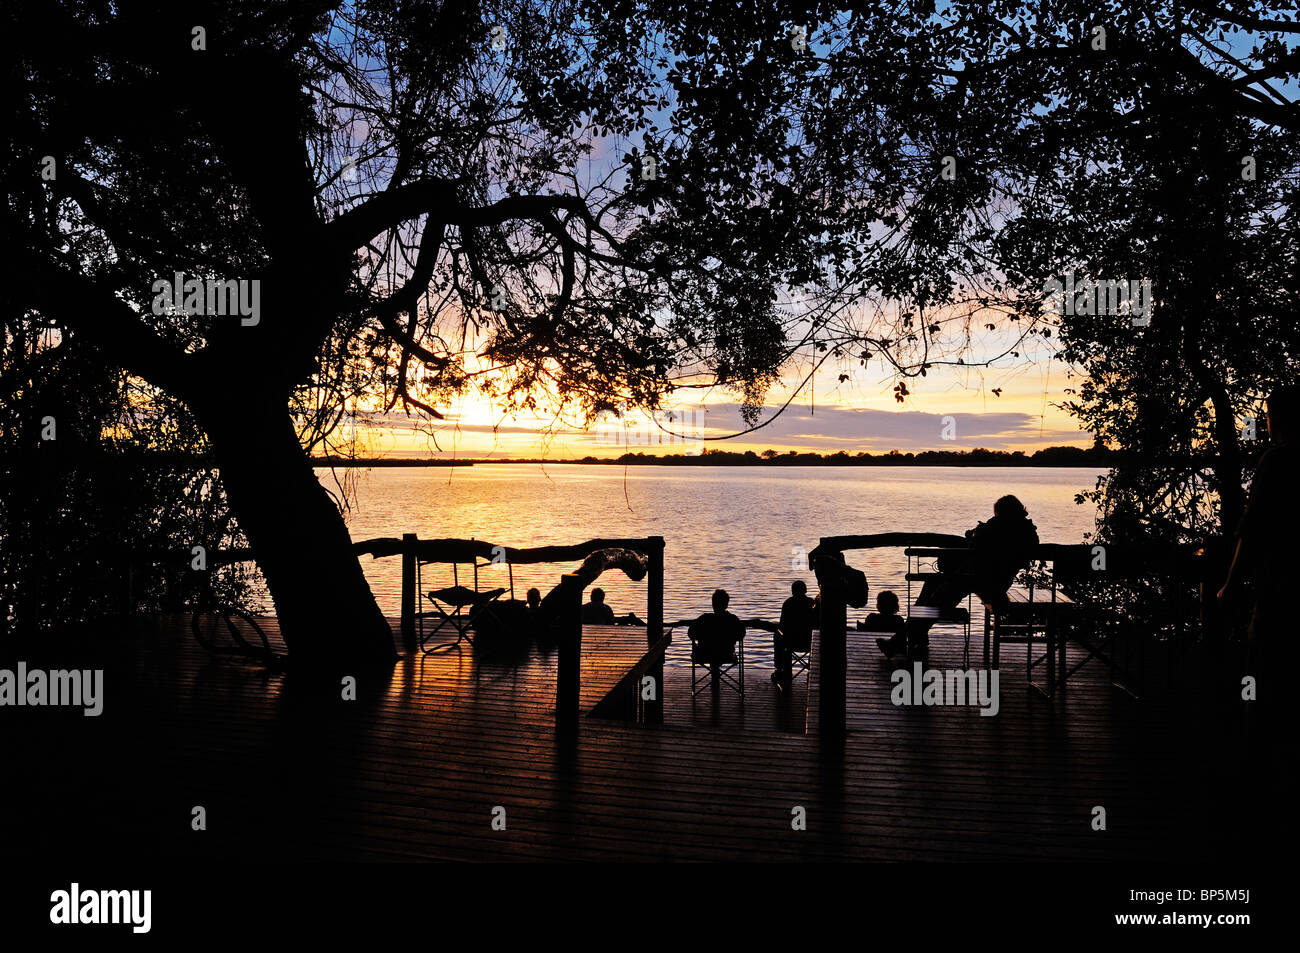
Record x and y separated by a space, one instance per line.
578 203
402 185
104 488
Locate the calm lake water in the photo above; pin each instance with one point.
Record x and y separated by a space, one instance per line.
742 529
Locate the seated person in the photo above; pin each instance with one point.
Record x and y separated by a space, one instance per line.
533 603
715 634
795 632
596 612
999 548
538 624
887 619
504 626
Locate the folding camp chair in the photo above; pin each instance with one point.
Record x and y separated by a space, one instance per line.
729 670
457 606
800 661
800 655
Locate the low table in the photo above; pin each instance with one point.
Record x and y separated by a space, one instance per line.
1028 614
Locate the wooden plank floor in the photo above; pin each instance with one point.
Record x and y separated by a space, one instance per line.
762 708
414 768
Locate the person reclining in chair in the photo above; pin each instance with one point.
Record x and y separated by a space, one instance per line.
999 549
716 633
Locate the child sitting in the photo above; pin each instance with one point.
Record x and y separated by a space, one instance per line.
887 619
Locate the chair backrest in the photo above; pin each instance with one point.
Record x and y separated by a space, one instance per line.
475 563
705 626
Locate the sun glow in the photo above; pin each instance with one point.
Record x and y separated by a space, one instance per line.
1016 409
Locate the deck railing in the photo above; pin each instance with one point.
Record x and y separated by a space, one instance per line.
1100 563
565 600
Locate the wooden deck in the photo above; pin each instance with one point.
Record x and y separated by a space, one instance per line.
414 768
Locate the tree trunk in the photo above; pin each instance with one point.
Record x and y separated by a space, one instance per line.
1227 462
328 615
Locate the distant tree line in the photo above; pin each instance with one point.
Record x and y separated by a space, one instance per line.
1047 457
1096 456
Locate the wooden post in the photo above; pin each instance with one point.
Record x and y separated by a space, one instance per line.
654 710
568 680
410 598
834 655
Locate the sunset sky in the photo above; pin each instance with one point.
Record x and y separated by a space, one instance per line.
860 414
825 416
